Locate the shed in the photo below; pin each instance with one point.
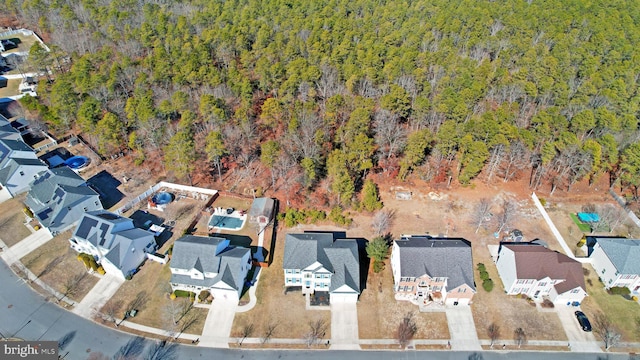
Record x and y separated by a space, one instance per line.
261 211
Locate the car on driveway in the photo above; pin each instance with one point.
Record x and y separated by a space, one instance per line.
583 320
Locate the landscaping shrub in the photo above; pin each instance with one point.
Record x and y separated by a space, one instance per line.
634 298
487 285
293 217
27 212
204 294
547 304
543 202
100 270
172 296
484 275
378 266
88 261
619 290
481 267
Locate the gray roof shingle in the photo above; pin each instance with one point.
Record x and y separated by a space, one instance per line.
623 253
340 257
204 254
437 257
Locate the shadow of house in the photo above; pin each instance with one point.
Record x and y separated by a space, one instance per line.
237 240
107 186
364 262
55 157
144 220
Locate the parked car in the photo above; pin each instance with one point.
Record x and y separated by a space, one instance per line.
583 320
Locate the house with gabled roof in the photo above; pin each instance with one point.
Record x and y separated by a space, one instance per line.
209 263
59 198
320 261
7 131
532 269
114 242
432 270
616 260
17 173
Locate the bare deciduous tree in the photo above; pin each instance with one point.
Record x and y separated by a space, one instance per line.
480 213
406 329
382 221
605 330
316 332
110 309
71 284
268 331
493 331
247 330
508 212
611 217
515 160
520 337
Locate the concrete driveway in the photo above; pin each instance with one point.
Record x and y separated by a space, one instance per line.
26 245
579 340
462 329
101 292
217 326
344 327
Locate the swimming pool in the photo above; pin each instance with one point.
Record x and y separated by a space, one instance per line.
226 222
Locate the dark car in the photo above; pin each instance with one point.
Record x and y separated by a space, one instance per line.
583 320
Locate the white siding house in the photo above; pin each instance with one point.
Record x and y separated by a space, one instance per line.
209 263
533 270
616 261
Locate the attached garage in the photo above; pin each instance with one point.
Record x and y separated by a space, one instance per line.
342 298
451 301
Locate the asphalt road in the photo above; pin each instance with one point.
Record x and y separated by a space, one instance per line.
27 315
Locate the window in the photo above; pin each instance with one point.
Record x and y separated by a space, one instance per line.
575 291
604 270
288 271
296 271
542 284
462 290
21 173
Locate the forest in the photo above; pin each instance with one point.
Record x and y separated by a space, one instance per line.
312 97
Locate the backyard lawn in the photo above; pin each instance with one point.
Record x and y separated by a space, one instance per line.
12 228
585 228
56 264
11 89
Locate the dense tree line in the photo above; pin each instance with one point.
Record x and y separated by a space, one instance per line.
319 94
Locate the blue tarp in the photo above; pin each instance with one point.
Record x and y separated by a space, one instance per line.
588 217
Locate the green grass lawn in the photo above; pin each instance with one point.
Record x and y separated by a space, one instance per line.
585 228
620 311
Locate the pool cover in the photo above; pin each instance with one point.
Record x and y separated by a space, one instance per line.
588 217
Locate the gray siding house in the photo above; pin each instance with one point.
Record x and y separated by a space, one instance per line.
59 198
321 262
113 241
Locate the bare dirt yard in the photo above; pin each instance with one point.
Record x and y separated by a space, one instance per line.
12 228
56 264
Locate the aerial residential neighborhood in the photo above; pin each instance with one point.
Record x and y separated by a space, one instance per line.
355 179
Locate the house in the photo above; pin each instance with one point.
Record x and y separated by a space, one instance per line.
261 211
17 173
59 198
8 132
114 242
318 261
209 263
432 270
616 260
532 269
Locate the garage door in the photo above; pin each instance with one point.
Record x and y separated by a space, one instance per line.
457 301
343 298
